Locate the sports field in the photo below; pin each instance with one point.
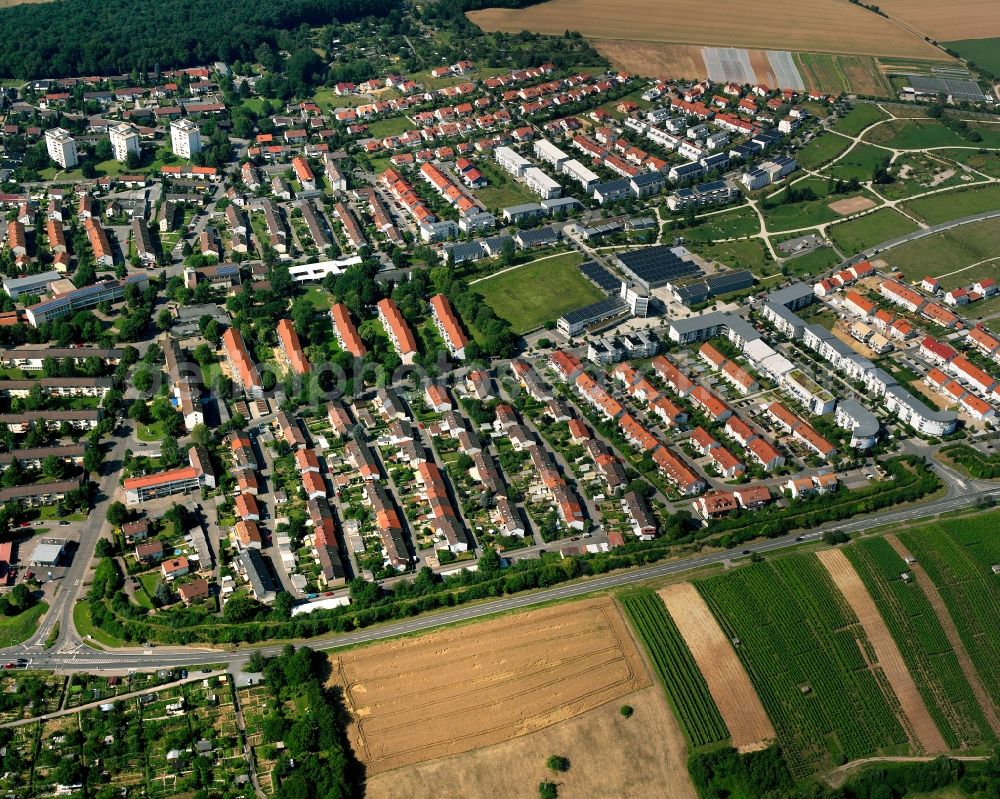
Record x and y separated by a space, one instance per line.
468 687
820 26
539 292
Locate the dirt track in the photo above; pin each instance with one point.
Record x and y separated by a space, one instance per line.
727 680
471 686
918 721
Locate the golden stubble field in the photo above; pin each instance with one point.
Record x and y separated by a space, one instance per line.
826 26
468 687
966 19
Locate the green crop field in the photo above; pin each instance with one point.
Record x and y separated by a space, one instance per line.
859 234
982 52
950 253
539 292
923 644
820 150
859 118
802 648
957 556
675 667
955 204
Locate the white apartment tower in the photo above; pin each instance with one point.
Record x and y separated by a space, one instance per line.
124 142
185 138
61 147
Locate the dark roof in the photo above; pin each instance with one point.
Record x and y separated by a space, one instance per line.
613 186
656 265
601 276
543 235
597 310
734 280
647 179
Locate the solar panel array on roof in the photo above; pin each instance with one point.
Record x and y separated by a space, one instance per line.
656 266
724 282
957 88
601 309
596 273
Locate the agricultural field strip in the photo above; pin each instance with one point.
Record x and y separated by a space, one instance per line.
968 588
727 680
426 685
675 667
795 634
888 656
923 643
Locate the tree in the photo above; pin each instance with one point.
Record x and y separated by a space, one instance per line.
20 597
547 790
489 562
52 467
626 711
162 593
557 763
203 354
117 514
282 606
142 380
105 548
163 319
138 411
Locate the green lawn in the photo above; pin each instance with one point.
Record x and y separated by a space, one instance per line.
949 251
393 126
12 373
984 161
502 191
799 215
859 234
955 204
859 118
859 163
150 432
811 262
983 52
85 627
745 254
730 225
530 295
319 297
918 134
16 629
823 148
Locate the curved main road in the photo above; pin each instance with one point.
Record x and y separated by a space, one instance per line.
78 656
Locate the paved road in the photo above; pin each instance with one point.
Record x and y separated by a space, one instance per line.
80 657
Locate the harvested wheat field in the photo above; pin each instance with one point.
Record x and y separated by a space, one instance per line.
917 721
819 26
724 674
654 59
643 757
965 19
851 205
471 686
